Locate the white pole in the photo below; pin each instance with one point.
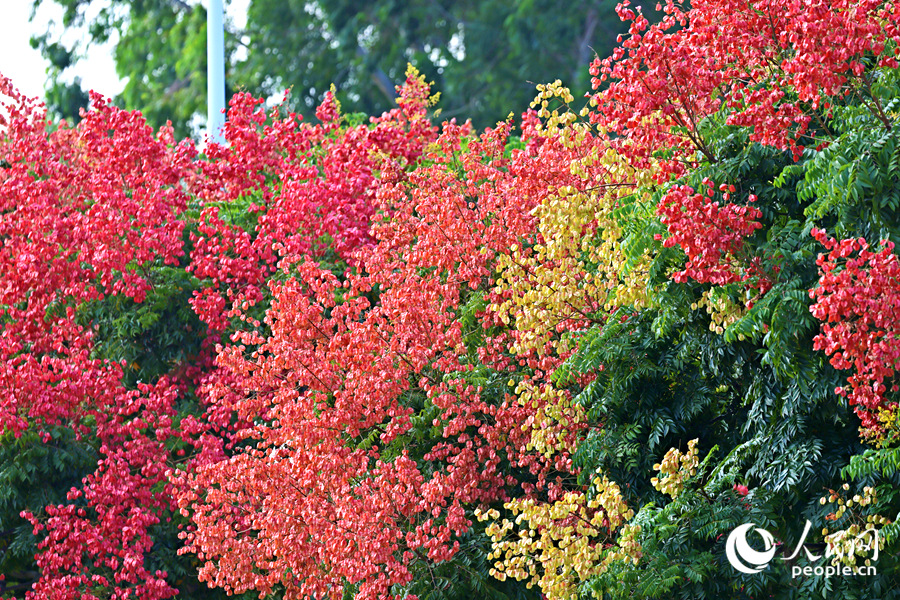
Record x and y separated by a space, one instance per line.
215 80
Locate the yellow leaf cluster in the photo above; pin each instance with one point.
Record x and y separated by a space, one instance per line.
547 92
889 432
558 545
723 311
554 418
675 469
861 538
579 264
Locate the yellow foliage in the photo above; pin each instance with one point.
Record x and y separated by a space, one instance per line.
675 469
553 420
859 538
889 432
723 311
578 267
561 544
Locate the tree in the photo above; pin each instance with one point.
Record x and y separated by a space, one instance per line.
423 362
110 317
484 58
160 50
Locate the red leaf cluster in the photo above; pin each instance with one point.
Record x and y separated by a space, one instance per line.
309 498
711 234
84 212
858 302
774 63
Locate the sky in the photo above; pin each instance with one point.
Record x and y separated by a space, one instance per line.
27 69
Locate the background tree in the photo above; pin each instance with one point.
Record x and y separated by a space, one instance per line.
160 52
484 57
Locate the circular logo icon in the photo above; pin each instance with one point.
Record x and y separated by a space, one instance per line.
744 558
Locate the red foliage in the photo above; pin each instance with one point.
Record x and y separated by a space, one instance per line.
311 186
122 500
711 235
82 212
858 302
86 209
773 62
314 501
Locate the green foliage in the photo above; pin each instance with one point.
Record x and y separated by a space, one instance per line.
484 58
152 336
162 54
757 392
34 473
160 50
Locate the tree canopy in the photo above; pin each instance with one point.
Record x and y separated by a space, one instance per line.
640 346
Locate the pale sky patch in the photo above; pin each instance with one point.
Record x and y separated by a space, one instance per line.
27 69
